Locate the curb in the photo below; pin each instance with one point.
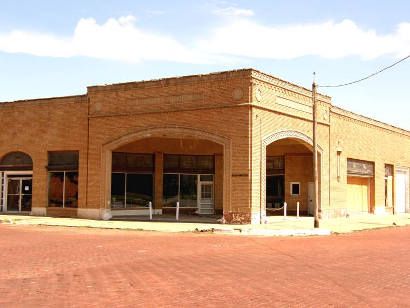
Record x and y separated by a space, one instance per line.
266 232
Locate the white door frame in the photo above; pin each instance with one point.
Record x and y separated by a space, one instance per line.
406 171
199 190
27 174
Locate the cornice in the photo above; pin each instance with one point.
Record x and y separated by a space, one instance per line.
42 101
172 81
354 117
287 85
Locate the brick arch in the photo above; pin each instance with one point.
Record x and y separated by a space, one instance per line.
168 131
267 140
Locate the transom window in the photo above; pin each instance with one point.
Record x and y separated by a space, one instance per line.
195 164
16 161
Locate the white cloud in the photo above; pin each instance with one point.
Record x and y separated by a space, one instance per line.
239 38
233 11
116 39
244 37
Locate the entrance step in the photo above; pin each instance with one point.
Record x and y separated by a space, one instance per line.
206 210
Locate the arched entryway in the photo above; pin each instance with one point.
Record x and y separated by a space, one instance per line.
164 165
16 174
287 173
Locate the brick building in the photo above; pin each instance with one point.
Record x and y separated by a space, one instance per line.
238 143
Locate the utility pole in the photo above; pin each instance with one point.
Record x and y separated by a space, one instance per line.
315 172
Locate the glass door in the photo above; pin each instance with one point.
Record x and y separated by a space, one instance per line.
13 194
26 194
19 194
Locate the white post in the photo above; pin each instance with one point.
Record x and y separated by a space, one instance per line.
177 211
150 210
297 209
285 209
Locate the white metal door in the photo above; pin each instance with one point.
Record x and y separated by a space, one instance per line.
400 192
206 197
311 194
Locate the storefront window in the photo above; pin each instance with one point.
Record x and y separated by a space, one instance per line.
139 189
131 190
170 189
118 190
63 179
63 189
188 190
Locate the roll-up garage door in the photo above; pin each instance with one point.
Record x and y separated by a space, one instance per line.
401 191
360 175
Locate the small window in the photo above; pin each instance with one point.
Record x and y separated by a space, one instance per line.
295 189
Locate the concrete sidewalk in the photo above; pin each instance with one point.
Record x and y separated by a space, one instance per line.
277 226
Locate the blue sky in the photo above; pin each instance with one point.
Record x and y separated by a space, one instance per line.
57 48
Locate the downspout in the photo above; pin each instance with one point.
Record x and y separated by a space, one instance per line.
260 171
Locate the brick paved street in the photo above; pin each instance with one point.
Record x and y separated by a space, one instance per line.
79 267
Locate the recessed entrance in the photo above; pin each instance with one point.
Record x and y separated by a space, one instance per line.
167 171
288 173
16 182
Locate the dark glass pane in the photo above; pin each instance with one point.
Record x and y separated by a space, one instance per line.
16 160
274 191
139 189
275 164
205 163
207 177
140 161
26 202
63 160
132 162
170 189
26 187
13 202
188 162
55 189
188 190
295 189
171 162
117 190
119 161
13 187
71 189
206 191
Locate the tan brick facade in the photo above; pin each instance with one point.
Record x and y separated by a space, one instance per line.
238 117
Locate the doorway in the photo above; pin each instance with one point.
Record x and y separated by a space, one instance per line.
19 193
206 194
402 176
311 197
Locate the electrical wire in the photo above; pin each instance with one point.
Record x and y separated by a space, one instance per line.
364 78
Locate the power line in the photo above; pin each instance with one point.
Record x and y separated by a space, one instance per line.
367 77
